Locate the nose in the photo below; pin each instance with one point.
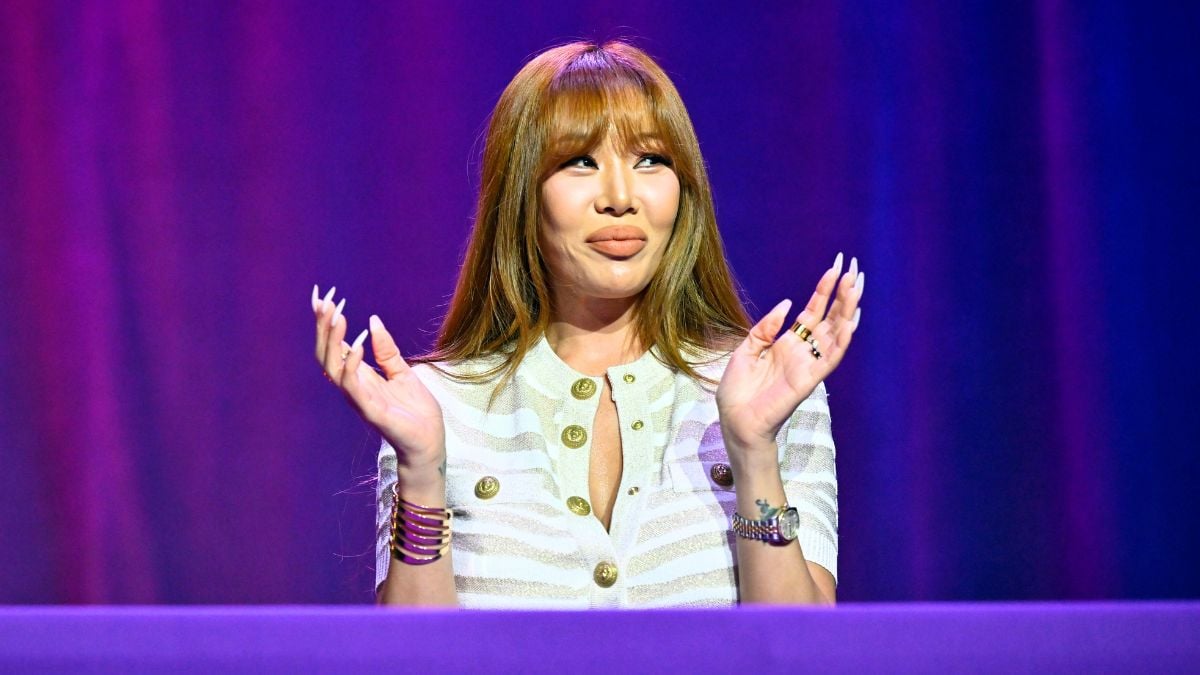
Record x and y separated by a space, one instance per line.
615 196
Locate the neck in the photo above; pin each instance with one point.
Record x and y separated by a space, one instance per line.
594 334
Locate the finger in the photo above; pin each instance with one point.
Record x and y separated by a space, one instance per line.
844 283
849 293
762 335
322 309
353 373
853 295
387 354
840 342
835 339
814 311
333 346
821 342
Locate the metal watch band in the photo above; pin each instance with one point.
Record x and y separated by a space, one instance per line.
760 530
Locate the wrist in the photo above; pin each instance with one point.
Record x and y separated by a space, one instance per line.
754 460
425 485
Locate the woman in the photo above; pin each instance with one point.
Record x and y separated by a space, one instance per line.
599 425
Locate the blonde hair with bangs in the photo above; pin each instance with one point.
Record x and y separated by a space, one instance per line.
562 104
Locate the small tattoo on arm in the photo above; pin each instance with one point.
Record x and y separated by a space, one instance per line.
768 512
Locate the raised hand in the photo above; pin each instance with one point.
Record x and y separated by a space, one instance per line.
767 377
395 401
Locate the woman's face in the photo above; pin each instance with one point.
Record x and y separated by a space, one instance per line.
606 219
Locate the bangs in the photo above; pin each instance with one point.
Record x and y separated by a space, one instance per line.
593 96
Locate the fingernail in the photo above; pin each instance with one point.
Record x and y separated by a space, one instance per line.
358 341
375 323
837 263
329 295
854 267
857 316
337 313
860 281
786 303
314 298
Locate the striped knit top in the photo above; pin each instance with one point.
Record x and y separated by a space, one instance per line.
517 482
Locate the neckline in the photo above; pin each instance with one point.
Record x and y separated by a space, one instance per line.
645 366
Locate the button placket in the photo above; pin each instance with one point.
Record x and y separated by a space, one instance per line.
574 436
576 404
605 574
583 388
575 422
633 410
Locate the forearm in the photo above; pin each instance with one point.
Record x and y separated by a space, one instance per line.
429 585
769 573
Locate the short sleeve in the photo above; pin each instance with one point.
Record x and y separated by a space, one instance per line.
383 511
806 463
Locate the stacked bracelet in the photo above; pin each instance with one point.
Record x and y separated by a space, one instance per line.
420 534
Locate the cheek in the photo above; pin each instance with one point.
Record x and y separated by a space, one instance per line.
552 242
562 200
662 200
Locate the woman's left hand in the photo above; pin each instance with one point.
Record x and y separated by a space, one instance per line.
767 377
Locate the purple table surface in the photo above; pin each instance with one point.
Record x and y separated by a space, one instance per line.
995 637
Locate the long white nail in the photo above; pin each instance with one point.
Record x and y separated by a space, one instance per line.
853 267
375 323
314 298
329 295
337 313
358 341
857 316
860 281
837 264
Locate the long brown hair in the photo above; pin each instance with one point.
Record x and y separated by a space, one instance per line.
563 103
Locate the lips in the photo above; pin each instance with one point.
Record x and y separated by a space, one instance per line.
619 241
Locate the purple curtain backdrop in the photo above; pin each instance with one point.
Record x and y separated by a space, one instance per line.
1019 179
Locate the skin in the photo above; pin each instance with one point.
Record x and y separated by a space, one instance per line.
594 299
594 284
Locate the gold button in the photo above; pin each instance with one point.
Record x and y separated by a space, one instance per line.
721 474
637 425
633 490
574 436
605 574
579 506
583 388
629 378
487 487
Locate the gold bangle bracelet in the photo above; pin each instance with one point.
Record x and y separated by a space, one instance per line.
419 534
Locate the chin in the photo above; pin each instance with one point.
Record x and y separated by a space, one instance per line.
617 292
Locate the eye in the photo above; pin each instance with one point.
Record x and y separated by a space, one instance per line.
651 160
581 161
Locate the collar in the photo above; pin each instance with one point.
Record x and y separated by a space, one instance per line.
550 369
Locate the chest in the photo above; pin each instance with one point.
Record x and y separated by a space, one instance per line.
605 461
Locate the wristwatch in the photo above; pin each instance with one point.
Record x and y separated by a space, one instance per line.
779 530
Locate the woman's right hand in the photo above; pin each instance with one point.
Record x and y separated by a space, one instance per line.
395 402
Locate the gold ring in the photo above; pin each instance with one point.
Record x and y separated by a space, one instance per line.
805 334
801 330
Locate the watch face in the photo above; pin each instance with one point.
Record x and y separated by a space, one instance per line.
789 522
